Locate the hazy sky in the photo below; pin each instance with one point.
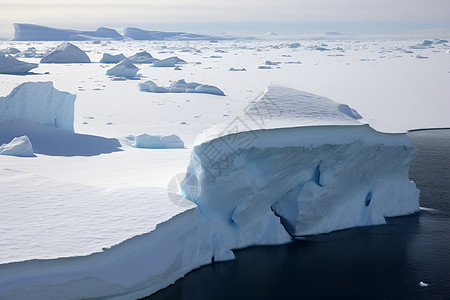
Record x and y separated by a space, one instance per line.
234 16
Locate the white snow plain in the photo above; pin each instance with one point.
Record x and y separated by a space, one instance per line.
98 190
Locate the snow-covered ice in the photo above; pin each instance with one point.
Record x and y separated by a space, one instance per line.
41 103
157 142
66 53
11 65
19 146
141 34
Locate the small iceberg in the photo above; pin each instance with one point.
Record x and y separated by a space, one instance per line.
19 146
11 65
157 141
180 86
66 53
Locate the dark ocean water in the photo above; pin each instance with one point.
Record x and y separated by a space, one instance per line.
377 262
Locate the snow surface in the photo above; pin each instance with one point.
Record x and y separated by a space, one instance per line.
123 69
41 103
11 65
158 142
31 32
66 53
180 86
19 146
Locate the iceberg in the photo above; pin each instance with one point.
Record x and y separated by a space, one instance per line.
180 86
19 146
11 65
293 163
112 59
31 32
142 58
66 53
123 69
316 163
40 103
157 142
169 62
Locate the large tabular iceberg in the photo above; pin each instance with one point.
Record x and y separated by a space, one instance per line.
66 53
41 103
31 32
294 159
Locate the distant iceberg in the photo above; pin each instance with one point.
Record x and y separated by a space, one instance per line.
294 163
31 32
140 34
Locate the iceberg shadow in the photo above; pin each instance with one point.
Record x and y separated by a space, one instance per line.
53 141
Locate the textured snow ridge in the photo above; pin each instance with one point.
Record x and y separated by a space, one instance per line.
66 53
19 146
11 65
180 86
158 142
41 103
30 32
285 154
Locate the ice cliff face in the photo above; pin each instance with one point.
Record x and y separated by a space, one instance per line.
41 103
314 162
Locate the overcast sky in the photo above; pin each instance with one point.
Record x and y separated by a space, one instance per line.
233 16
